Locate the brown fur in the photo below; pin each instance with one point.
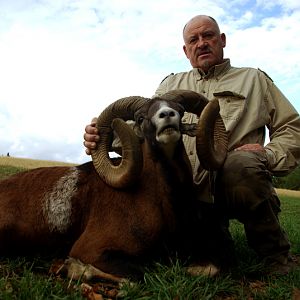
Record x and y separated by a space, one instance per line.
114 230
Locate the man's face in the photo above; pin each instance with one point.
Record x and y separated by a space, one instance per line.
203 43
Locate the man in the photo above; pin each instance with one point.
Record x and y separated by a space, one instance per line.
249 102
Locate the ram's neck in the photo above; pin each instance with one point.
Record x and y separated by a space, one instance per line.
168 151
173 163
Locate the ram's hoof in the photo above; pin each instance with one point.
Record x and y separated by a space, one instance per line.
75 269
209 270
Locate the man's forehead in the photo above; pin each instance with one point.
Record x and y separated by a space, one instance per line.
199 23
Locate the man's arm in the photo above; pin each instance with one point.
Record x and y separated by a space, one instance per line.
283 150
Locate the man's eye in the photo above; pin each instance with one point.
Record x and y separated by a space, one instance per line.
193 40
208 35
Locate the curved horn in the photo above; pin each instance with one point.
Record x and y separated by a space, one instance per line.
211 137
191 101
128 170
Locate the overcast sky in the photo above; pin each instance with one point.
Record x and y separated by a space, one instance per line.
63 61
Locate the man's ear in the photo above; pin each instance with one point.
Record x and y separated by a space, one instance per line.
185 51
223 38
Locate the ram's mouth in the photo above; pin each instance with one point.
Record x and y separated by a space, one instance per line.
168 130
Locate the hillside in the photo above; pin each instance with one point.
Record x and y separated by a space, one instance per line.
27 163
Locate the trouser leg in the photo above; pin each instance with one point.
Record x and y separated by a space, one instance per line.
217 243
244 191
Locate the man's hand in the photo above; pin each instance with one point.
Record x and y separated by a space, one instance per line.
250 147
91 137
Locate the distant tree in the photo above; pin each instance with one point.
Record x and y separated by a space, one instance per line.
290 182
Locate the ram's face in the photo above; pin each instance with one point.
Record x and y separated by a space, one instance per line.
166 120
161 120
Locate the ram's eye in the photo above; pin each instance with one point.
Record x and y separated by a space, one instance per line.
140 120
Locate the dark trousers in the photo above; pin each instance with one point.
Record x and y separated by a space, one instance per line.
244 191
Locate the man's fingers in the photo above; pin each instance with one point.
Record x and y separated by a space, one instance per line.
91 137
91 129
89 145
250 147
88 151
88 137
94 120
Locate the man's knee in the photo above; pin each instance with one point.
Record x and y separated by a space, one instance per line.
244 180
246 168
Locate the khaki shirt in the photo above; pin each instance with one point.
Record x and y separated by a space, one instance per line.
252 104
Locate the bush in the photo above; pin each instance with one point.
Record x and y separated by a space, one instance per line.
290 182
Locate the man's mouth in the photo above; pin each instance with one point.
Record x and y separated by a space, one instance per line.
204 53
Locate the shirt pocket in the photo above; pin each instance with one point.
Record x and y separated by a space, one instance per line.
232 106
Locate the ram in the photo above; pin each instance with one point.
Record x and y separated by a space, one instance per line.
111 217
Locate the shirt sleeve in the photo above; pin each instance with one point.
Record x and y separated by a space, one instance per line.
163 86
283 150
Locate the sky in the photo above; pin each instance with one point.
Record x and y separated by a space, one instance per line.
63 61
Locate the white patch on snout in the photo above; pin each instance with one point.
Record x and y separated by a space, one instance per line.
57 203
162 120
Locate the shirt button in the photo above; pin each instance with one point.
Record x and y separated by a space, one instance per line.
191 153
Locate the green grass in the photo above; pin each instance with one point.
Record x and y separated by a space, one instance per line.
28 277
246 281
6 171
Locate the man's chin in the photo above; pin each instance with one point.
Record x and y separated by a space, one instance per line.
205 65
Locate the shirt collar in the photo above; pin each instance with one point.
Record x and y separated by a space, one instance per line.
214 71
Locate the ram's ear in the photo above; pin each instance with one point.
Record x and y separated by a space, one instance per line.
138 131
189 129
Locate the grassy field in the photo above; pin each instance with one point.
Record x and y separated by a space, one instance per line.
27 163
29 277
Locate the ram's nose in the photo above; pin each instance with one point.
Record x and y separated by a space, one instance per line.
167 113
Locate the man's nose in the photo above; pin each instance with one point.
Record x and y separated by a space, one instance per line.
202 43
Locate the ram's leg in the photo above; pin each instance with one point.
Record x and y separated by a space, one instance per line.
109 256
12 234
209 270
75 269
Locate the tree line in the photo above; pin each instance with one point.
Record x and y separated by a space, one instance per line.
290 182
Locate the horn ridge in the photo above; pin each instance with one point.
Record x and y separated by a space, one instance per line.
112 118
